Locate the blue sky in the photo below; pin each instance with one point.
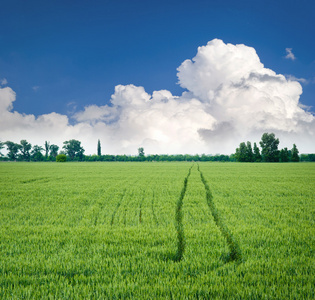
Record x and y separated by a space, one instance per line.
57 54
61 56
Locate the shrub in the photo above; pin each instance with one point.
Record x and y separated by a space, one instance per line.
61 158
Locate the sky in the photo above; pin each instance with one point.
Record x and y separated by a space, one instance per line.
169 76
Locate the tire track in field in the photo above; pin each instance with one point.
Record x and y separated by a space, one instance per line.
235 251
120 202
117 207
179 221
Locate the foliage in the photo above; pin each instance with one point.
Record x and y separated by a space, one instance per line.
245 152
295 154
74 149
269 147
249 152
1 147
47 147
13 149
99 151
61 158
25 150
53 150
307 157
141 154
270 152
240 153
284 155
57 240
257 156
37 153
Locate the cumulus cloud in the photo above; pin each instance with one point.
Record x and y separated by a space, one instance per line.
229 98
290 54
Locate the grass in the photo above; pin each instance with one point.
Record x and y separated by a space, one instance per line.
109 230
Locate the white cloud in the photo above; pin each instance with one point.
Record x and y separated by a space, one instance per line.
293 78
290 54
230 98
35 88
3 81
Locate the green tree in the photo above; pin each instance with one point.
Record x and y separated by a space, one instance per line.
1 147
284 155
37 153
25 150
53 150
141 153
311 157
257 156
99 151
13 149
269 145
47 147
295 154
241 152
61 158
73 149
249 152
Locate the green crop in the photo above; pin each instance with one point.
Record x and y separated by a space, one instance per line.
157 230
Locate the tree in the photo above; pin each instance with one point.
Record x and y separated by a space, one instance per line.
257 156
47 147
61 158
284 155
269 145
1 147
25 150
249 152
13 149
295 154
141 151
37 153
99 152
53 150
241 152
73 149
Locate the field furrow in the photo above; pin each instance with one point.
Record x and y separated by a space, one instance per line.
234 248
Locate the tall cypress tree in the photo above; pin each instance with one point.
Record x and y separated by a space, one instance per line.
99 152
47 145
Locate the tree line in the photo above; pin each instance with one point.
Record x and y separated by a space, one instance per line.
269 151
72 150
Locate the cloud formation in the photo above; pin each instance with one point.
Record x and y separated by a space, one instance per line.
290 54
230 97
302 80
3 81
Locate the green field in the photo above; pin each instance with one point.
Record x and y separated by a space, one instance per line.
157 230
